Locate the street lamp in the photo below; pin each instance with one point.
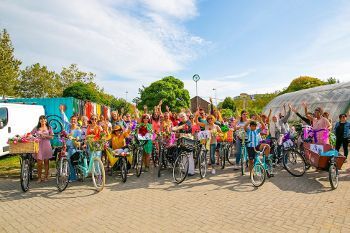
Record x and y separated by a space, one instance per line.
126 96
196 78
244 97
216 99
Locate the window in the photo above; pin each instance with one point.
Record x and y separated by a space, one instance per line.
3 117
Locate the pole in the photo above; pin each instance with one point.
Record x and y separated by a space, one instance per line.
196 78
126 96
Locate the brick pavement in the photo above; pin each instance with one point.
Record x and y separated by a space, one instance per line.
225 202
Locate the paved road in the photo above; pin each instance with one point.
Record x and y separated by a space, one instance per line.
225 202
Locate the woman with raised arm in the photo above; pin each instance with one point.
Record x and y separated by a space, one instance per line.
240 127
320 124
214 130
185 129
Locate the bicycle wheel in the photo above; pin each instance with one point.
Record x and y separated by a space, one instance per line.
98 174
333 176
62 174
294 163
161 158
258 175
25 167
180 169
138 164
202 163
222 156
124 169
231 155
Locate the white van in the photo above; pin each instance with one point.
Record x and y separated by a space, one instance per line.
17 119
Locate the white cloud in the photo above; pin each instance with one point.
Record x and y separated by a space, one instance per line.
181 9
130 39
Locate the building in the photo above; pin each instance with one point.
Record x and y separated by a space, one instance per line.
334 99
202 103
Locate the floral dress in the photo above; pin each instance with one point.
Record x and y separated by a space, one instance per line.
45 150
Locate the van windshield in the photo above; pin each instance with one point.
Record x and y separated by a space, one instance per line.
3 117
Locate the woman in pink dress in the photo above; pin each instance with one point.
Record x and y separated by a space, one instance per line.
320 126
44 132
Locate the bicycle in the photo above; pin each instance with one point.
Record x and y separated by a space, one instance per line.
62 168
287 154
185 146
27 162
118 162
139 143
261 168
200 155
90 163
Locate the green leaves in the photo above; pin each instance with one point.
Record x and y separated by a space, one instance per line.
9 66
169 89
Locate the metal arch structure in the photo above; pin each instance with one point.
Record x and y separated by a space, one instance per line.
334 99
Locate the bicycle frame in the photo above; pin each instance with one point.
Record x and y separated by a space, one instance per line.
85 167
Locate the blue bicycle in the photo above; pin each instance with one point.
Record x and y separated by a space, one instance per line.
262 168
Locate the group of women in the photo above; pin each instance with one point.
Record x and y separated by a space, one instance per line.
118 129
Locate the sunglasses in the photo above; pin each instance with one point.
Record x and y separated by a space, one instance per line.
93 119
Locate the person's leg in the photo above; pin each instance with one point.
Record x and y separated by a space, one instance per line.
148 156
345 147
217 150
251 154
46 164
212 155
338 143
72 174
40 168
190 164
238 151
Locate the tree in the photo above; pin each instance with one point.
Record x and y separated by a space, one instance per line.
169 89
228 103
226 113
83 91
37 81
303 82
332 80
119 104
9 66
72 75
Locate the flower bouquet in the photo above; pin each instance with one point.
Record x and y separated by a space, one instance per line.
26 143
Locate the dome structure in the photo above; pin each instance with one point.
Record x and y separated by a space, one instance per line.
334 99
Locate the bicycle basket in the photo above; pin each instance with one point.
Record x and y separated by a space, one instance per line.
186 144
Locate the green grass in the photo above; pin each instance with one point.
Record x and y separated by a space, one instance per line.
10 166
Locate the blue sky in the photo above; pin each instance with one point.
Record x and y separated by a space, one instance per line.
235 46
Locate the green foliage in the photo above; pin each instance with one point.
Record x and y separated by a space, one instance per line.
83 91
228 103
255 105
168 89
37 81
119 104
72 75
303 82
226 113
332 80
9 66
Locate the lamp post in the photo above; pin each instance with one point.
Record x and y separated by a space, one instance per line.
244 97
126 96
216 99
196 78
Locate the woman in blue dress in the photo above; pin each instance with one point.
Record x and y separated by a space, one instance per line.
75 133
